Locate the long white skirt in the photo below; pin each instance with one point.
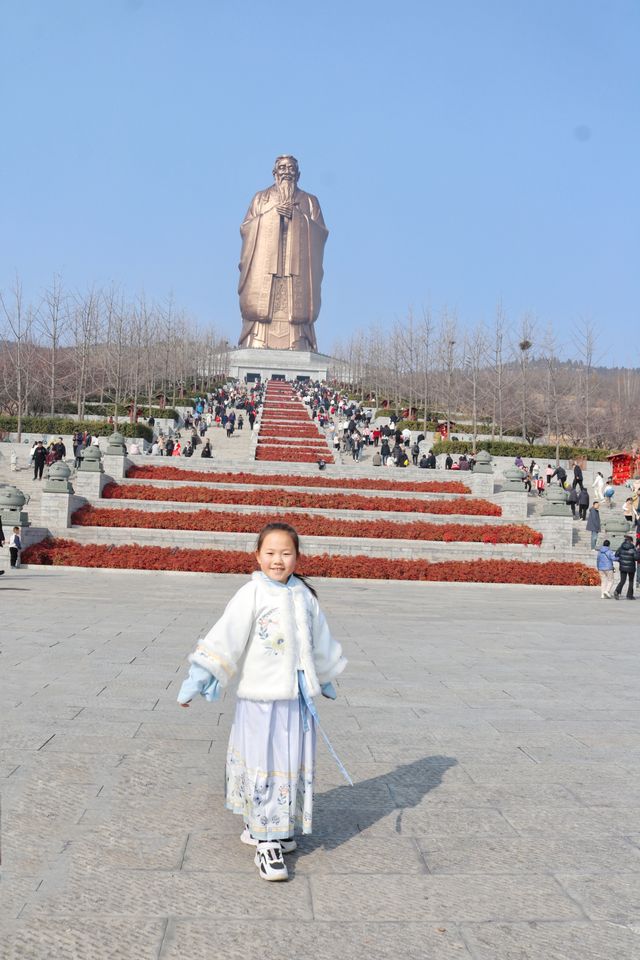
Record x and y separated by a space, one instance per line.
270 768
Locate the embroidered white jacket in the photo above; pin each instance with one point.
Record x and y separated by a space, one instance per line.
280 629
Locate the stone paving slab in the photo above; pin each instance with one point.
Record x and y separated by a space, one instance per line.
493 734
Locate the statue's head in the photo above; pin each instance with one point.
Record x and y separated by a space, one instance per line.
286 168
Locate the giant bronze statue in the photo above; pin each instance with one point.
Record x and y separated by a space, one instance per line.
283 238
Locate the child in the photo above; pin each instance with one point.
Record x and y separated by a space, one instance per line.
15 546
289 657
604 562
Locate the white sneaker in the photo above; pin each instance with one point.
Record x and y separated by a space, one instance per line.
269 861
288 846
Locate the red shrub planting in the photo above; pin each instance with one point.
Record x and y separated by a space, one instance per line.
289 441
284 479
134 557
291 498
285 455
306 524
286 430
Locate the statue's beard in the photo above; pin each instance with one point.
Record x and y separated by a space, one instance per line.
286 189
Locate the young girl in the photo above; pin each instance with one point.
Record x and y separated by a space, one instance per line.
289 657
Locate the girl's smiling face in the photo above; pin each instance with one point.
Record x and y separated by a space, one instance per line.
277 556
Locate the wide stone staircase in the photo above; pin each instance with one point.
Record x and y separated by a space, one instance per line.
562 540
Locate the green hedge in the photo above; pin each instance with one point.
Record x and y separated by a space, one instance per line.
507 448
106 410
64 427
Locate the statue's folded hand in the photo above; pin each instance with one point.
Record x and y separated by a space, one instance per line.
285 209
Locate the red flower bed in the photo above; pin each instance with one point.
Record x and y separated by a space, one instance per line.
306 524
299 419
291 498
291 430
134 557
285 455
289 441
284 479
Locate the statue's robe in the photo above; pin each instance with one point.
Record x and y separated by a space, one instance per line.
281 272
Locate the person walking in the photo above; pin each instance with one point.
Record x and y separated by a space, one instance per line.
572 500
583 503
577 476
593 523
561 474
627 555
604 564
39 458
274 630
598 486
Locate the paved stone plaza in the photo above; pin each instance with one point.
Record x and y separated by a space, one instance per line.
493 734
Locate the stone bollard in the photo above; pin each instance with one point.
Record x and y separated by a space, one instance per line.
115 459
484 462
513 481
615 528
58 502
555 502
481 478
12 501
90 478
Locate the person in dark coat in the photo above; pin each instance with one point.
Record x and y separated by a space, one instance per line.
572 500
448 462
39 458
593 523
577 477
583 503
385 451
627 556
561 474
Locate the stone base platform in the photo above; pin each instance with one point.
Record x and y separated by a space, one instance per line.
290 364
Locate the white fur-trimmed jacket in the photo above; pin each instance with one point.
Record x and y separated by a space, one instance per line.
281 629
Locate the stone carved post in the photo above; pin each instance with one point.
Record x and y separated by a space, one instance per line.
58 501
115 459
90 478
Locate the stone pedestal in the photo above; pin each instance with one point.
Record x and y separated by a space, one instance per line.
515 505
56 509
481 483
615 528
557 532
90 478
89 485
289 364
115 467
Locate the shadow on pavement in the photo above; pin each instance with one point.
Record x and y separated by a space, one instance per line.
346 811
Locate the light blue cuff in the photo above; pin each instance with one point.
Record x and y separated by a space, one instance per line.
199 681
328 690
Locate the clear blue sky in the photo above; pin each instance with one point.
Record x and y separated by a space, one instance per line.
463 151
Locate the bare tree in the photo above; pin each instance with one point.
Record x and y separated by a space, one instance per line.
19 349
53 320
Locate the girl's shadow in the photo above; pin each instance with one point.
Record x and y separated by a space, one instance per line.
344 812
